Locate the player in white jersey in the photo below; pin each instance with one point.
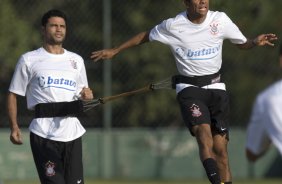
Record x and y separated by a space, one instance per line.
195 37
265 126
52 76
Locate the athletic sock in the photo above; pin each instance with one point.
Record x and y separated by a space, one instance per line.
212 171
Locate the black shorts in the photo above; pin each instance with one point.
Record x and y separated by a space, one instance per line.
57 162
204 106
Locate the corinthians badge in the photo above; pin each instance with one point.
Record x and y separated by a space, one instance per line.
195 109
49 168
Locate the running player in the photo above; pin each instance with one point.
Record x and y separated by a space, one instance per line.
195 37
51 78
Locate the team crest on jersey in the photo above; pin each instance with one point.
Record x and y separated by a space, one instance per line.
50 169
214 28
73 63
195 109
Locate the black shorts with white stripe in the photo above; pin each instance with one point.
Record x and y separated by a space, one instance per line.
204 106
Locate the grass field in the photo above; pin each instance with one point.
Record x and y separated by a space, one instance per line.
273 181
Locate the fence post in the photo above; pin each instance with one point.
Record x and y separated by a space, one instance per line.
107 171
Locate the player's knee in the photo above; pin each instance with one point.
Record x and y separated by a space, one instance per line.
222 156
203 134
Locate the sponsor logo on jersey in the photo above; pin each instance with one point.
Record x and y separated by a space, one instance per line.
195 109
198 54
50 168
52 82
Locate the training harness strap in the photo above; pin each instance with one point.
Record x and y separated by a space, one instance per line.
199 81
58 109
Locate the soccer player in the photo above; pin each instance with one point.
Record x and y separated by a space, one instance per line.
51 78
195 37
265 126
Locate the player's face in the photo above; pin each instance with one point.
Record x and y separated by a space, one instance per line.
197 9
55 31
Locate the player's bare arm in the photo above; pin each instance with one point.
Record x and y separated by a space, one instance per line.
260 40
254 157
110 53
15 136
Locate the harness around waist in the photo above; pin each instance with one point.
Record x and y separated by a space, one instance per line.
199 81
58 109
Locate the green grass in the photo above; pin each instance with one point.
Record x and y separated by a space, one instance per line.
256 181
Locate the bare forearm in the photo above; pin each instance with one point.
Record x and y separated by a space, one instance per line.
260 40
15 136
134 41
12 110
110 53
248 45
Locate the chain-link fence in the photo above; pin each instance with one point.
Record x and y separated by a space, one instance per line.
96 24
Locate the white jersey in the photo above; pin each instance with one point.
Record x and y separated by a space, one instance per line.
265 124
197 48
43 78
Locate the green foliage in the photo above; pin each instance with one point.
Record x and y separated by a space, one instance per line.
16 35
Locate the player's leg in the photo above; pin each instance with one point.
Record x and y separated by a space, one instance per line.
204 139
221 154
47 158
219 108
73 162
196 116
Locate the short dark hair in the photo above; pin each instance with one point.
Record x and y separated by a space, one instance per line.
52 13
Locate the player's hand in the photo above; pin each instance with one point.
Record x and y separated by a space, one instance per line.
265 39
103 54
16 136
86 94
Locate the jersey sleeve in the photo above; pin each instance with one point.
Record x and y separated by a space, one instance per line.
20 78
257 111
232 32
161 32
